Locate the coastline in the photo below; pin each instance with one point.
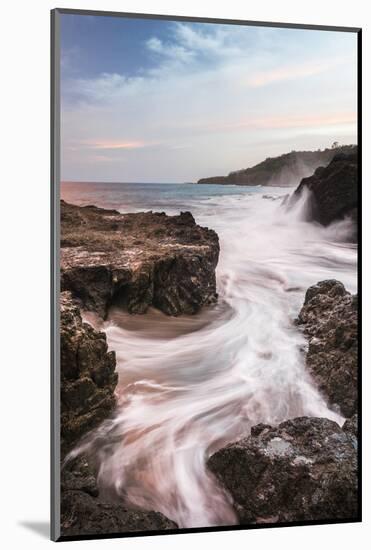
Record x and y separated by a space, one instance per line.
171 267
82 476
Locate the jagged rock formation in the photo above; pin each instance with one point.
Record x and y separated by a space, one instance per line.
304 469
282 171
88 377
137 260
329 319
88 381
333 189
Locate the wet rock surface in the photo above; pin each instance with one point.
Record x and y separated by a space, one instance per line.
329 319
304 469
333 190
88 377
85 512
137 260
88 381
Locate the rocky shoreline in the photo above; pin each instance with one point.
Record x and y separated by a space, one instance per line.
131 260
303 469
88 381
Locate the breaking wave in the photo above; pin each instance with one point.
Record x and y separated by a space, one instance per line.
190 385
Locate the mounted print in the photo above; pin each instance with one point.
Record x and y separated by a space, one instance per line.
205 229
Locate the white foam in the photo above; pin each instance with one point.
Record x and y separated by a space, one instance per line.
182 397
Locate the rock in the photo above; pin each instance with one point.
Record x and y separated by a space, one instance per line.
333 189
79 474
137 260
85 512
282 171
351 426
88 381
88 377
304 469
82 514
330 321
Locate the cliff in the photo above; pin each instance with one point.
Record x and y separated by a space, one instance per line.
282 171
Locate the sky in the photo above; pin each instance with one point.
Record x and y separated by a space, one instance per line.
162 101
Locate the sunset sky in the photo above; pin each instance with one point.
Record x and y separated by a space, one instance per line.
159 101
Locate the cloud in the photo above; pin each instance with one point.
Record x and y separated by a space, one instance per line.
114 145
208 101
100 158
171 51
220 42
293 72
293 121
103 88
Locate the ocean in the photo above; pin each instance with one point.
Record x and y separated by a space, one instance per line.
191 384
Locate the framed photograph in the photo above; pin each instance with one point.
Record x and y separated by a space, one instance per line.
206 231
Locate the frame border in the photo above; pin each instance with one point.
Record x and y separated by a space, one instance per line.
55 277
55 114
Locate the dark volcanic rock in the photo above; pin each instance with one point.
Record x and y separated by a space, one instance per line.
283 171
305 469
84 512
137 260
79 474
88 377
88 381
329 319
351 426
333 189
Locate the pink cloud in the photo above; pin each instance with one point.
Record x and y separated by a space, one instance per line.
288 121
300 121
101 145
291 72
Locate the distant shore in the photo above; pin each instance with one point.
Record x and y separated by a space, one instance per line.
282 171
